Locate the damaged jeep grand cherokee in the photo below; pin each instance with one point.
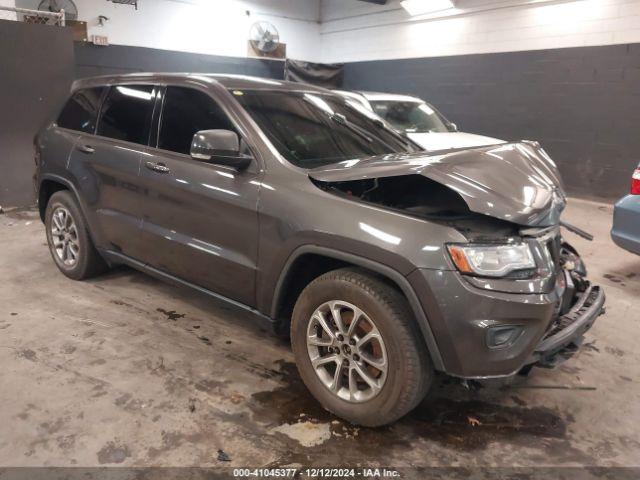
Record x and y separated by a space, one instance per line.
386 263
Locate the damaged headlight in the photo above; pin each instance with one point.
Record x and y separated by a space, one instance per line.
492 260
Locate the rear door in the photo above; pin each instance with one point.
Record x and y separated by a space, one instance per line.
200 220
107 165
77 120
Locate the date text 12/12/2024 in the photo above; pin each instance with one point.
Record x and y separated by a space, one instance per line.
325 472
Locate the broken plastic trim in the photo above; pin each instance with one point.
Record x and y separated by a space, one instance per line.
577 231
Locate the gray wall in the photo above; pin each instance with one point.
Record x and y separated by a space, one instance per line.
37 71
38 65
582 104
92 60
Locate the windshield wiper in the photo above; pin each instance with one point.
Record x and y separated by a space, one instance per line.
404 139
342 120
380 123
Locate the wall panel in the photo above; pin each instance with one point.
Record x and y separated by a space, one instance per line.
92 60
582 104
37 71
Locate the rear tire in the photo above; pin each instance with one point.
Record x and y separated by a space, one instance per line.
391 371
69 241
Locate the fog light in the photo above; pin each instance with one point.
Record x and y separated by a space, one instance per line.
503 336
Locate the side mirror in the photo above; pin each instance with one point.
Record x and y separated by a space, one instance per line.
221 147
453 127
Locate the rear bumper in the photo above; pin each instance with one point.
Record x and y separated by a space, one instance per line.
623 240
626 223
565 334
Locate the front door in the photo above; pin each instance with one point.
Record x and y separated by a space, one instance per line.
200 220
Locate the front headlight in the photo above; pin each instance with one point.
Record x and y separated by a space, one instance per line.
491 260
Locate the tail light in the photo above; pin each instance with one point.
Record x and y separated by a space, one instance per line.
635 182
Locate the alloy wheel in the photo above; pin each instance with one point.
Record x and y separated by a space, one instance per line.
64 236
347 351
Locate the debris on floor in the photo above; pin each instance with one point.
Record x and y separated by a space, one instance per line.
222 456
171 314
473 421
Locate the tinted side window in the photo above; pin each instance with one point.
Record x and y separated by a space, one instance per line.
187 111
81 111
126 113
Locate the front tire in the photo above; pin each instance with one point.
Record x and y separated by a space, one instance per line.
358 349
68 238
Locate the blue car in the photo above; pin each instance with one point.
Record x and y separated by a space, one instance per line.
626 218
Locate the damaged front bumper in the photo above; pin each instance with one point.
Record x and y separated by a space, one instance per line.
566 333
463 315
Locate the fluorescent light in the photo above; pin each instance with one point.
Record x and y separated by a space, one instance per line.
420 7
132 92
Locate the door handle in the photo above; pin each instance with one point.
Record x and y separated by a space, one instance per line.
86 149
157 167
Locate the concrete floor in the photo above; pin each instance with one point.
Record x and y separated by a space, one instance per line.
125 370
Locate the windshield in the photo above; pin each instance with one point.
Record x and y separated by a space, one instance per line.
316 129
411 117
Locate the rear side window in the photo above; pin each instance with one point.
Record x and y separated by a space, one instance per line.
126 113
81 111
187 111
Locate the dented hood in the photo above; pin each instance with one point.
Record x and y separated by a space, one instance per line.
517 182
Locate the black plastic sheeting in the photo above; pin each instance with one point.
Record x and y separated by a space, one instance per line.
327 75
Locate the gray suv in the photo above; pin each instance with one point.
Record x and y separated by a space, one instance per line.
385 263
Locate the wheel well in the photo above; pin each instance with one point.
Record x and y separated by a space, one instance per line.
47 188
310 265
304 270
